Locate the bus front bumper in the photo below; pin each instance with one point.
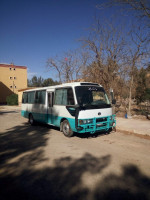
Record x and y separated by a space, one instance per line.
96 124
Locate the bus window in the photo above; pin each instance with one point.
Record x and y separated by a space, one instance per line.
64 96
40 96
31 97
25 97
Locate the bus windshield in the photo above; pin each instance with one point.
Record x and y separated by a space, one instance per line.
92 96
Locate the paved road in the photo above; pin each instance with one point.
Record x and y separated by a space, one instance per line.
39 162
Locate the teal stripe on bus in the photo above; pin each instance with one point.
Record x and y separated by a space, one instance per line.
49 119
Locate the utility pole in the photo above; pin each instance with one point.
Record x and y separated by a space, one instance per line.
13 86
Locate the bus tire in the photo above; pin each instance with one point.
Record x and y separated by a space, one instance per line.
66 129
31 119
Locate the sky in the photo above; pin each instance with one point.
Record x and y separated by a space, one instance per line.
31 31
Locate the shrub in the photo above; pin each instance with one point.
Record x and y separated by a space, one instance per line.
12 99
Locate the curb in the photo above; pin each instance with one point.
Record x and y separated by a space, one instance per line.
132 132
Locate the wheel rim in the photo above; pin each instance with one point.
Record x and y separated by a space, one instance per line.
66 128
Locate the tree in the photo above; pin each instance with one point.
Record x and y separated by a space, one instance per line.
12 99
105 44
136 57
138 8
69 66
143 87
35 81
40 82
148 76
141 7
49 82
137 38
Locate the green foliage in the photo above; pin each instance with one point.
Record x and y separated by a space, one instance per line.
142 90
49 82
40 82
12 99
35 81
147 94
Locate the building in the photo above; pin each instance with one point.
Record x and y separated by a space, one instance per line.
12 79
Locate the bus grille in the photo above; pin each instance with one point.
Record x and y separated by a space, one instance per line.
101 119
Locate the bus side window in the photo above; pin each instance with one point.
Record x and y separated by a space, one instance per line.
50 99
40 97
25 97
31 97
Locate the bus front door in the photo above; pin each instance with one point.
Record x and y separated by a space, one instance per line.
49 107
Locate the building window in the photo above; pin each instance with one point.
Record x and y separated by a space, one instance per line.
11 86
15 78
10 69
15 86
10 77
14 69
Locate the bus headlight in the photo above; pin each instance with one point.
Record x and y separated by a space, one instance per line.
85 121
89 121
80 122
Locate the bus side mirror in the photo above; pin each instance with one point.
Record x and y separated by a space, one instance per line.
114 101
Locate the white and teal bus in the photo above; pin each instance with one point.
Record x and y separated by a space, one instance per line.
74 107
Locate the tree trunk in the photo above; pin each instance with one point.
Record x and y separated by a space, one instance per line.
130 96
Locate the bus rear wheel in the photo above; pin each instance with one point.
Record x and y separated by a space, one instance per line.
66 129
31 119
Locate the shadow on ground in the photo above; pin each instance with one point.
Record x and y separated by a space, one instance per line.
22 148
89 135
22 145
7 112
130 185
64 181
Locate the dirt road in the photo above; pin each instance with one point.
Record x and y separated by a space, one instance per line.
39 162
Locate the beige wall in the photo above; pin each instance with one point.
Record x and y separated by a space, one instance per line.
12 78
20 97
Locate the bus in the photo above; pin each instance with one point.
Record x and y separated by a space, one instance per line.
80 107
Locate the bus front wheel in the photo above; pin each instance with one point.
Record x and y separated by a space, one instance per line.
66 129
31 119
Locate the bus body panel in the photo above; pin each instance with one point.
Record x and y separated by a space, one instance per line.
38 111
57 113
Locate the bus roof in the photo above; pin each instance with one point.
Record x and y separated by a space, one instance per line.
65 85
